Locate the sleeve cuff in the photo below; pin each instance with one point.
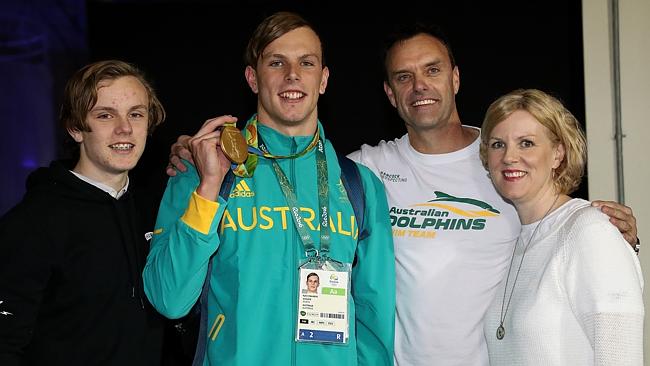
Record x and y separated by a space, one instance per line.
200 213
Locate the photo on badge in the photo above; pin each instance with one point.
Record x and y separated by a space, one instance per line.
322 306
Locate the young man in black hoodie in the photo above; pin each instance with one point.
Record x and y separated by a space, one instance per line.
72 251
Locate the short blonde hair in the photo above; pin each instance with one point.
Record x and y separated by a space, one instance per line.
564 129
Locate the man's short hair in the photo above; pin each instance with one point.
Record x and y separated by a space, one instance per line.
272 28
404 31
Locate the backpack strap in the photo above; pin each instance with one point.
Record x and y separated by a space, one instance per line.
201 306
351 178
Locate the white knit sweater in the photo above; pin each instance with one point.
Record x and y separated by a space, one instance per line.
578 297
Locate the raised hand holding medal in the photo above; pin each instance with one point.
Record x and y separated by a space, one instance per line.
211 162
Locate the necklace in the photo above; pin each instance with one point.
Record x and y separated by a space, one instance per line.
501 331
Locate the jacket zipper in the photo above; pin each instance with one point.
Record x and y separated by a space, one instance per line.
294 239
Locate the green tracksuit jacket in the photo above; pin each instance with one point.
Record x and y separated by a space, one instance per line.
256 250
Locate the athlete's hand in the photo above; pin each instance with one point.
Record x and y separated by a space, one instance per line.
211 163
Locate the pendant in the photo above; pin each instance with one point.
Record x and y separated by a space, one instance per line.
500 332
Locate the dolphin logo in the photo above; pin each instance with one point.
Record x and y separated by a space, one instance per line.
444 197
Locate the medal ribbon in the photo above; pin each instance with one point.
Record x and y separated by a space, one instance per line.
247 168
292 201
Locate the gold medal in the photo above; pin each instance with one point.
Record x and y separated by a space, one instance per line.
233 144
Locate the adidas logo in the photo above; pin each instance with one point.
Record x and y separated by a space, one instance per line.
242 190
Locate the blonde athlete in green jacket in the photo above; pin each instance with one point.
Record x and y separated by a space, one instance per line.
286 208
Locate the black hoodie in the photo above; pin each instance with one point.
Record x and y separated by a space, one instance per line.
71 258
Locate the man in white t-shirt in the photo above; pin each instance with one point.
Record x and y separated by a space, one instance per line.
453 233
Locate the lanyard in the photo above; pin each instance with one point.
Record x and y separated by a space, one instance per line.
292 201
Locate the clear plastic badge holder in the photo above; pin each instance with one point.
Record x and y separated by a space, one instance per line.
323 299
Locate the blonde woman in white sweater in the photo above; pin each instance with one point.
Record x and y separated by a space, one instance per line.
573 293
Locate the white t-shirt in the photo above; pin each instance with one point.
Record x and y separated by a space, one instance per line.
453 237
577 299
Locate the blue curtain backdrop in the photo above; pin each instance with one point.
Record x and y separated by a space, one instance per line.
41 43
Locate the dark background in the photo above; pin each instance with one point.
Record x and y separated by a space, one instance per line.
192 50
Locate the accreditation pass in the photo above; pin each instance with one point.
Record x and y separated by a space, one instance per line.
323 306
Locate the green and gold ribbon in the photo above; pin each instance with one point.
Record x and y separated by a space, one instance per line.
247 168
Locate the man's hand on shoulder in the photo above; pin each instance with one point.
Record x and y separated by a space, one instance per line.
622 217
179 150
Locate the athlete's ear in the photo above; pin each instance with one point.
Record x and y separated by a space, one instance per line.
323 81
251 78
